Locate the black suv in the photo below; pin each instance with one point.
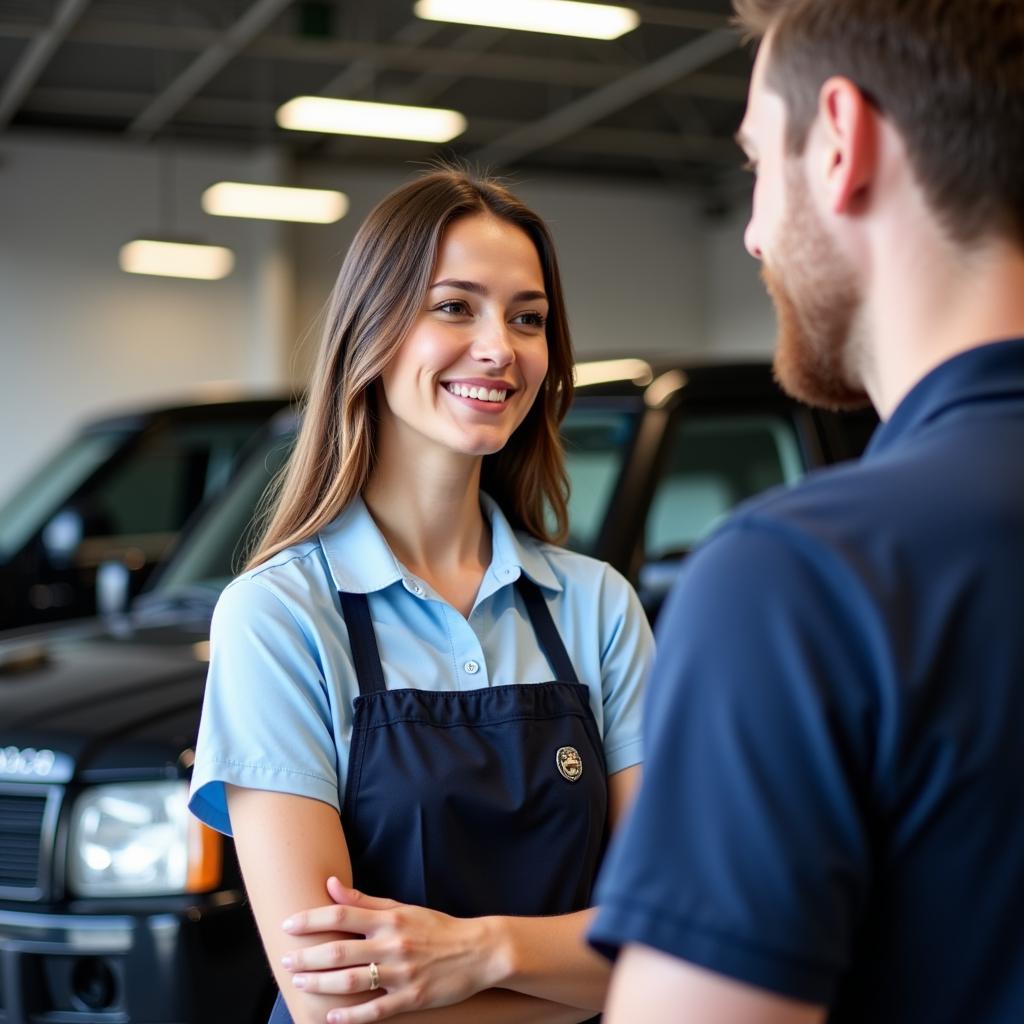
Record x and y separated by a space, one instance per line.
116 905
117 493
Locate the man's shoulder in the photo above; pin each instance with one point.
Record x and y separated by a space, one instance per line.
827 505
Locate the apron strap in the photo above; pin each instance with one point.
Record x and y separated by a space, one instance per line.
369 671
546 631
366 657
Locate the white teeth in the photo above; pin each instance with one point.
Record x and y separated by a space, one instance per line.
480 394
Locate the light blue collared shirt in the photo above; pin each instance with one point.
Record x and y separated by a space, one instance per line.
277 714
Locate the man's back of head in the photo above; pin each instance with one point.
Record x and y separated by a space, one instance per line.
949 74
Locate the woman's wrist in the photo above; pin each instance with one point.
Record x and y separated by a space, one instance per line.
496 942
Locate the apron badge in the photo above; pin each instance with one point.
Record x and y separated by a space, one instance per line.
569 762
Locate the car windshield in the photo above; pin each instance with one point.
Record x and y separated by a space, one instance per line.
31 505
597 439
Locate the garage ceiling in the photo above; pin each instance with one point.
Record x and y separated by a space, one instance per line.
661 102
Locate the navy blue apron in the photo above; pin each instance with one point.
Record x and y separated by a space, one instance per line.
474 802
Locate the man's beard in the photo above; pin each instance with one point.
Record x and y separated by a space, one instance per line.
817 302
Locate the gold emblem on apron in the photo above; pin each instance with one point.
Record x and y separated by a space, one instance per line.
569 762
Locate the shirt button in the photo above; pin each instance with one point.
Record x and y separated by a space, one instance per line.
471 667
415 587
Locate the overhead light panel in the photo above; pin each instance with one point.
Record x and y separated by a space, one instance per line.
377 120
176 259
607 371
275 202
559 17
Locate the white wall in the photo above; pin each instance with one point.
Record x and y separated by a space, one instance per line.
738 317
79 336
630 258
644 273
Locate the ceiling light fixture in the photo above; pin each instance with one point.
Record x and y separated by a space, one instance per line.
165 253
275 202
559 17
606 371
176 259
377 120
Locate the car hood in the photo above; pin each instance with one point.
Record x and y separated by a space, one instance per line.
110 706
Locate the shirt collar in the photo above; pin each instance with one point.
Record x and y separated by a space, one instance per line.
519 553
361 562
991 371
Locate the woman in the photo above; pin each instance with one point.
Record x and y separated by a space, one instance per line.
410 686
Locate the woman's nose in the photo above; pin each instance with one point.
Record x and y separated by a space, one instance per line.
492 342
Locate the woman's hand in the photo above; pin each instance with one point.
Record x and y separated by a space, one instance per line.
423 958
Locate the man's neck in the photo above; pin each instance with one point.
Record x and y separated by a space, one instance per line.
928 310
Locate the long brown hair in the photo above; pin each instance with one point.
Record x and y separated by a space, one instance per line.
376 299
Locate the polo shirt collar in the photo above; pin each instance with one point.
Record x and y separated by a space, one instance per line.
989 372
512 555
360 561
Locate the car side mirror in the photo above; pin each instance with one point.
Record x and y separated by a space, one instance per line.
113 587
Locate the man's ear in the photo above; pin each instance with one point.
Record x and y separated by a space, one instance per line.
849 142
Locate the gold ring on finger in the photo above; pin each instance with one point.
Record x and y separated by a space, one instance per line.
374 977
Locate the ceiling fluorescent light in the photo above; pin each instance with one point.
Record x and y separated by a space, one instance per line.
605 371
379 120
559 17
274 202
176 259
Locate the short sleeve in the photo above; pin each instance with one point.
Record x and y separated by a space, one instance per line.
747 850
266 721
626 655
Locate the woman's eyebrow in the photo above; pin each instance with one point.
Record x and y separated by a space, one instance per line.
479 289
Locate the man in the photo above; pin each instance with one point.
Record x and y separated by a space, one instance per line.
831 824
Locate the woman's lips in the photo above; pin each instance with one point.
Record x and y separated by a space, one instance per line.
478 396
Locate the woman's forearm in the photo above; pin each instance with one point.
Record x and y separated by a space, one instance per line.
498 1006
548 957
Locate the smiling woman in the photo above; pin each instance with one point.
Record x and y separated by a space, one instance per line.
411 682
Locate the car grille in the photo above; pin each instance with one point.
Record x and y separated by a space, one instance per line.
21 826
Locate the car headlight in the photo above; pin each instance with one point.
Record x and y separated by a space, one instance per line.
138 839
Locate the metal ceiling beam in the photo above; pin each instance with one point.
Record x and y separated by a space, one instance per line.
206 66
383 56
219 113
35 58
581 113
669 17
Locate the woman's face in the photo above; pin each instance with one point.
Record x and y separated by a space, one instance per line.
476 357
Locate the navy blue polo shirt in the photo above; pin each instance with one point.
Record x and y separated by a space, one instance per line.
833 797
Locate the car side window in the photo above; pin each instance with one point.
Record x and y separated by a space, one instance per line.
713 463
597 442
144 501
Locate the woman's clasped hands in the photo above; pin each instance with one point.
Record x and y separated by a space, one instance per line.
418 958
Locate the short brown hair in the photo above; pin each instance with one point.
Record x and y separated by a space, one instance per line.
949 75
376 300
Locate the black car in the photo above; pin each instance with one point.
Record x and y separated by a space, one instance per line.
115 905
117 493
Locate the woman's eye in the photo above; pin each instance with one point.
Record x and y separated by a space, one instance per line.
455 307
531 319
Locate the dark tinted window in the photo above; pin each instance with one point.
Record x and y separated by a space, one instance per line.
715 462
597 441
26 510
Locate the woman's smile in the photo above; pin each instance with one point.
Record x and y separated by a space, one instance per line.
481 395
